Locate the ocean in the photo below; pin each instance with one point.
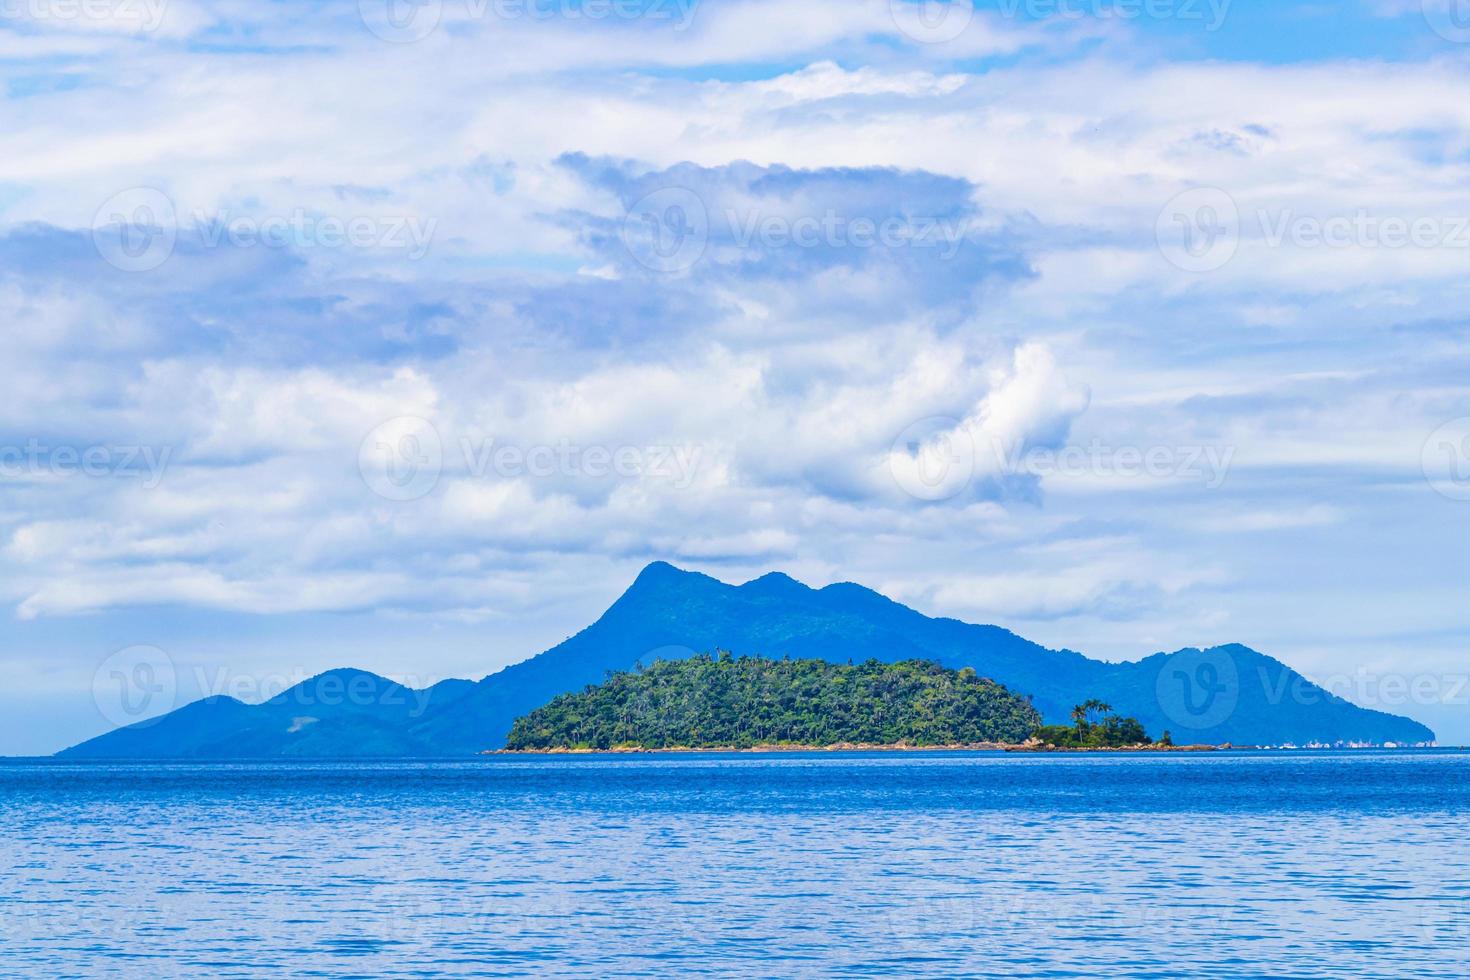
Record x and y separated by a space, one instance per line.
1290 864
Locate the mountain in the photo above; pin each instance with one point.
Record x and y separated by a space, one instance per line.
339 714
740 702
1222 694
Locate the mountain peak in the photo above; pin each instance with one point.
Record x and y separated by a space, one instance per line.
660 583
336 684
660 575
775 583
658 571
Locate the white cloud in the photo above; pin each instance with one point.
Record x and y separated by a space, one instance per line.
1316 515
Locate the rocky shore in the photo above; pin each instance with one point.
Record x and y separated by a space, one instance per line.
1042 747
1031 746
775 747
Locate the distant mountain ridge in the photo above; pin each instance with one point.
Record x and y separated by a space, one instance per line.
1223 694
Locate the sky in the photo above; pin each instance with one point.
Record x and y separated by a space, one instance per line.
401 334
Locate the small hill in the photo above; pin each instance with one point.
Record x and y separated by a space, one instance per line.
739 702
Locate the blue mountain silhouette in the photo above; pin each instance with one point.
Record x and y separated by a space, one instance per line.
1216 695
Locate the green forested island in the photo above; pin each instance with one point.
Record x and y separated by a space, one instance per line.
723 701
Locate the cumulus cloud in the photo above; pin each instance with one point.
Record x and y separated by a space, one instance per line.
257 375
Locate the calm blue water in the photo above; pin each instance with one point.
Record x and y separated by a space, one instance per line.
1299 865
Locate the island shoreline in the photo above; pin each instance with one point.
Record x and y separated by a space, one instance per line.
899 747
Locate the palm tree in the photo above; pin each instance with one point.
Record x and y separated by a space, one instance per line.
1081 713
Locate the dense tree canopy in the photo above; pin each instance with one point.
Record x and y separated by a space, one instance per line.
737 702
1094 726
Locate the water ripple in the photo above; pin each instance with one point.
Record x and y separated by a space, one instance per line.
1338 864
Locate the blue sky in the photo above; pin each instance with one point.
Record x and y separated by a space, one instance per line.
404 342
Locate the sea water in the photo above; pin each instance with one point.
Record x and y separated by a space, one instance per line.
913 864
